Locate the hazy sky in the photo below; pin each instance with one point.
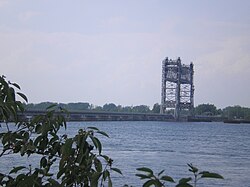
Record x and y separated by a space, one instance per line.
112 50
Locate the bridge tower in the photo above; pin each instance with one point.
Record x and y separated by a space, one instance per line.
177 87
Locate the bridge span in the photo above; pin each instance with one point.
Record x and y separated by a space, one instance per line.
103 116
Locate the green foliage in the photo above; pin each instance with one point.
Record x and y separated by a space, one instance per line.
236 112
108 107
156 108
206 109
9 106
153 180
79 159
160 180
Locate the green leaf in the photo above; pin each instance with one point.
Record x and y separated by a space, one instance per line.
167 178
61 170
150 182
193 169
53 182
20 106
109 182
93 128
145 169
185 180
103 133
38 129
23 96
105 157
16 169
51 106
97 143
43 162
67 148
142 176
98 165
38 140
105 174
211 175
184 185
16 85
95 178
116 170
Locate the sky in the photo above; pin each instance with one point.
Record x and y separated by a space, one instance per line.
112 51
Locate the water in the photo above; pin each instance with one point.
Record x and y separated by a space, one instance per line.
216 147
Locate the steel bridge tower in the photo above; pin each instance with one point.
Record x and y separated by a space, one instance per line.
177 87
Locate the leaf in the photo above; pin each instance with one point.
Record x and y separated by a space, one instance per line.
20 106
167 178
185 180
98 165
149 183
105 174
116 170
43 162
38 140
16 85
105 157
109 182
97 143
61 170
53 182
16 169
66 149
145 169
193 169
95 178
211 175
23 96
93 128
103 133
184 185
142 176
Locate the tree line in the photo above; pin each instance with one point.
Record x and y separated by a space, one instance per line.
231 112
85 106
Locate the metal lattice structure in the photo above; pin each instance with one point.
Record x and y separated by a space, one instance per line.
177 86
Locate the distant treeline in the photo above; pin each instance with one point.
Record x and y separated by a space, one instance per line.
231 112
110 107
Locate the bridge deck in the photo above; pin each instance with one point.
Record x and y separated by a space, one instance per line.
104 116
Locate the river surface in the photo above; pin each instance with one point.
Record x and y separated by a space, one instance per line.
216 147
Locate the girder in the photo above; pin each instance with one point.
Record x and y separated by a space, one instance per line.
177 86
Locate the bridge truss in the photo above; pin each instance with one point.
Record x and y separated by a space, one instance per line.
177 87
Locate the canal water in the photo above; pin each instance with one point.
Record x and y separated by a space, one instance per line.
216 147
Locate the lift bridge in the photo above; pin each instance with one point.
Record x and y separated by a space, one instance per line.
177 87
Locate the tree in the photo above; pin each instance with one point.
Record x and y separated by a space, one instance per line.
141 109
236 112
206 109
111 107
156 108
